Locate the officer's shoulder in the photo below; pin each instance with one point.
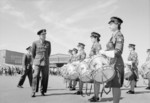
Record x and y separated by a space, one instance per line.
37 41
120 36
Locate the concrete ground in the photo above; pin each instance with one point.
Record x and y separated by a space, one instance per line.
58 93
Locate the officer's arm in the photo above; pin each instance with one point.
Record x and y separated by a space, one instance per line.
49 50
33 50
119 45
24 62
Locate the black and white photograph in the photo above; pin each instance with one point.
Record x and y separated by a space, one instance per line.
74 51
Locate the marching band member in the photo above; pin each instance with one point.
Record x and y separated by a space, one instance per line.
81 56
70 61
117 41
74 59
27 66
133 61
146 65
96 47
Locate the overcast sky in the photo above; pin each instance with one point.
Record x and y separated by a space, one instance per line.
71 21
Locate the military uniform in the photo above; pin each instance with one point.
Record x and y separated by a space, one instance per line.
27 65
41 53
133 57
117 43
81 56
96 47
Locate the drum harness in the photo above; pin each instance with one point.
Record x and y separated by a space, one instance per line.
103 89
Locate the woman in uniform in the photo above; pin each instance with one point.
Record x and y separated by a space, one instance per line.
96 47
73 59
80 57
133 61
117 41
146 66
70 61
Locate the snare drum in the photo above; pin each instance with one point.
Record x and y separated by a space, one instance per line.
71 72
105 74
145 71
98 61
85 72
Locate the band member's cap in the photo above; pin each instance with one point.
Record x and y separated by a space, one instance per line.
74 49
132 45
81 44
28 48
41 31
148 50
115 20
95 35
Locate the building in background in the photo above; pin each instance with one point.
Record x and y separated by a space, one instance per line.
8 57
58 60
13 58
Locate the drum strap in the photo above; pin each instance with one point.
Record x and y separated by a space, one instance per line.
88 94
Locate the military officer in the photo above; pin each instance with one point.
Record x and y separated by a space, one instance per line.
133 61
117 41
80 57
41 50
27 66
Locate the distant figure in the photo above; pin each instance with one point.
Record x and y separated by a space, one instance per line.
27 66
133 61
41 50
80 57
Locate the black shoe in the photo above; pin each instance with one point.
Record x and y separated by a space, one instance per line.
148 88
42 93
94 99
72 89
19 86
79 93
33 95
130 92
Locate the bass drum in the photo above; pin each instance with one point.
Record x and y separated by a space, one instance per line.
105 74
85 74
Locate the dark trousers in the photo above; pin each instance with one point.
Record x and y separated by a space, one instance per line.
44 71
27 72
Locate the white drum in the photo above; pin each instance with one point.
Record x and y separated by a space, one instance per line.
145 71
72 72
128 72
85 72
98 61
103 71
